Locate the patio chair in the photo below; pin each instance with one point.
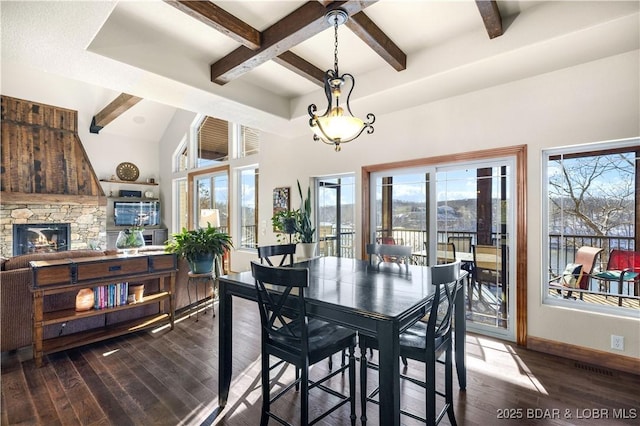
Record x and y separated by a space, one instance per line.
462 244
576 275
487 269
623 267
446 253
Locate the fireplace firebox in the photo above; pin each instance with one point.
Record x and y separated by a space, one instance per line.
40 237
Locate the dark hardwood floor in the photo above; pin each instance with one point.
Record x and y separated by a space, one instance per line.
171 378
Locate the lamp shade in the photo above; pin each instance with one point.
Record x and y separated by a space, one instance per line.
209 216
338 126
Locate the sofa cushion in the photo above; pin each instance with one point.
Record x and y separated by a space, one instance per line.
22 261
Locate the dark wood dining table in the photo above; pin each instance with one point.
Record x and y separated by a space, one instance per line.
350 292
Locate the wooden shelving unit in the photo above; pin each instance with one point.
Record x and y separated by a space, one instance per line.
62 276
128 182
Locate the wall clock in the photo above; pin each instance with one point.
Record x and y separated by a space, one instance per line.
127 171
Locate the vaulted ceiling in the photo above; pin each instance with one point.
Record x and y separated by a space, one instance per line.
260 62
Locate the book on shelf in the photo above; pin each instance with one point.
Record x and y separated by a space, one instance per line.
110 295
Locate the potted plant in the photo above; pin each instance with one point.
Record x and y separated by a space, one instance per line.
200 247
304 227
284 222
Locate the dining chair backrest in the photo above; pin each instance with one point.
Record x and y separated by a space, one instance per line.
265 253
386 240
389 253
445 277
446 253
282 312
462 244
487 257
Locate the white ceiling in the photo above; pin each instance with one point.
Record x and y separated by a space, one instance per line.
154 51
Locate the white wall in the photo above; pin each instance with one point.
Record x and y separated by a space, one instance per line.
597 101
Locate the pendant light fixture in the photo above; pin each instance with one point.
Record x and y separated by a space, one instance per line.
337 125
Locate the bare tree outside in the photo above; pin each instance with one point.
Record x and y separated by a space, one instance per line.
593 195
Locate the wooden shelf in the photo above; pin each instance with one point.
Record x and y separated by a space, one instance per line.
64 315
65 276
97 334
128 182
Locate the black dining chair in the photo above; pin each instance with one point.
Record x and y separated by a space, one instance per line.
265 253
389 253
425 341
289 335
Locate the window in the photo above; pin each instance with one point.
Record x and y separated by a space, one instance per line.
336 223
212 192
180 158
248 207
249 141
212 142
591 200
180 204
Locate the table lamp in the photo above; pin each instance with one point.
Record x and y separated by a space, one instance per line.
211 216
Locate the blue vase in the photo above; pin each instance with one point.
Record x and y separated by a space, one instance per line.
202 264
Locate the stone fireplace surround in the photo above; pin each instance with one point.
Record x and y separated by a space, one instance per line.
88 223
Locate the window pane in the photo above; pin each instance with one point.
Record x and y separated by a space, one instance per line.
213 193
181 159
249 141
213 142
401 210
336 215
592 202
248 208
181 205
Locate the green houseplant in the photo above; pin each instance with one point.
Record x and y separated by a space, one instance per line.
284 222
304 227
200 247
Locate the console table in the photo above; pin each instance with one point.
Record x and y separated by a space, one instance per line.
67 275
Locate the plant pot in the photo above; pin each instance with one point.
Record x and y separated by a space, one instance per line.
138 292
202 264
289 225
308 250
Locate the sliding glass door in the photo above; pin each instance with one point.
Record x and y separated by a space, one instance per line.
462 211
336 215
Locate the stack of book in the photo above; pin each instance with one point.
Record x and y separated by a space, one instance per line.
110 295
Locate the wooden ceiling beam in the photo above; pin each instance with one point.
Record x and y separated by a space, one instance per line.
303 23
221 20
373 36
112 111
491 17
300 66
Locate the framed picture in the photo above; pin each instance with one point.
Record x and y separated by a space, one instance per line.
281 199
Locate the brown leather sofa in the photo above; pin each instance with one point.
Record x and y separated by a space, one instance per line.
16 307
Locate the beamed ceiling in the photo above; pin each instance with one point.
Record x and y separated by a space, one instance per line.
261 62
276 41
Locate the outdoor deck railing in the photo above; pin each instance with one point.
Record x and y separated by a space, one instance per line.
562 248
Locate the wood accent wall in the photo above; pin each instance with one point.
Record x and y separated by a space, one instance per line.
43 159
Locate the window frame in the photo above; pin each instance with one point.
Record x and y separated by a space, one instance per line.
604 148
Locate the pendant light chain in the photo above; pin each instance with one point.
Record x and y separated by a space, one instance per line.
335 45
